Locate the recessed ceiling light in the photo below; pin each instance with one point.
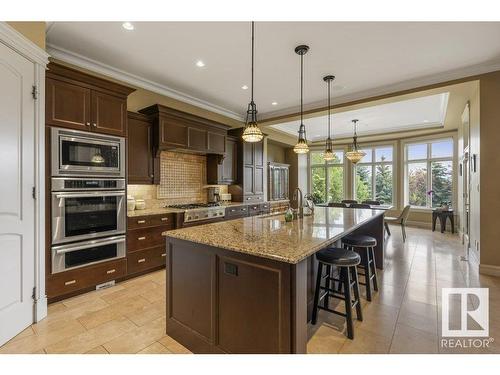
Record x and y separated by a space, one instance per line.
244 87
200 64
426 121
128 26
274 103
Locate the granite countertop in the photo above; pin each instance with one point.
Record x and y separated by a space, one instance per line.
270 236
153 211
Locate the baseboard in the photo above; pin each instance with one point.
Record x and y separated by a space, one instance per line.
427 225
487 269
40 309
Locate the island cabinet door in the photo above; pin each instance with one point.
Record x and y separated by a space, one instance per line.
254 301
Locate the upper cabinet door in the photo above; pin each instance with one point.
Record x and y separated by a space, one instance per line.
109 114
216 143
140 150
230 162
259 154
67 105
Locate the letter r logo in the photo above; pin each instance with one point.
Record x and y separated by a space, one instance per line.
478 314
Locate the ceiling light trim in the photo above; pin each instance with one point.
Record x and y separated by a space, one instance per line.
135 80
417 83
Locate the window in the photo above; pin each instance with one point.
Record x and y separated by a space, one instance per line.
373 175
327 177
429 173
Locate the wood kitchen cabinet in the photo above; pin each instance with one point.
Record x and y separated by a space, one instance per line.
145 244
177 130
77 100
249 186
140 161
222 170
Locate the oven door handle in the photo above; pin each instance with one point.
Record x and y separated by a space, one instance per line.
92 195
67 249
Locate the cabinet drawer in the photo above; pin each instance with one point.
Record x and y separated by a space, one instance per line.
253 209
71 281
136 222
236 211
253 198
265 208
145 259
139 239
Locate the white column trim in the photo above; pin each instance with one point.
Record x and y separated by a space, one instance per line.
18 42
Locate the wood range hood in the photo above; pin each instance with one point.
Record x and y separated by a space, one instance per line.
174 130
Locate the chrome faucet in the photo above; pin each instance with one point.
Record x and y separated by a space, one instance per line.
300 205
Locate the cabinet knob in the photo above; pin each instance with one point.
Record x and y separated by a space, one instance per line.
88 124
164 254
94 125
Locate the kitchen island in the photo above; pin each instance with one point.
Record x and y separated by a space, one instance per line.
246 285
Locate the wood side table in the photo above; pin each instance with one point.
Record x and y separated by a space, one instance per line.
443 215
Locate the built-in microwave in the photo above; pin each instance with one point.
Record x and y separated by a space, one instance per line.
78 153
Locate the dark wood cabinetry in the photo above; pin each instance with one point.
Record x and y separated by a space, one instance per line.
145 244
222 170
140 160
80 279
177 130
80 101
249 186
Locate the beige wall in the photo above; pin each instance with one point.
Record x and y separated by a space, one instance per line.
489 160
34 31
276 153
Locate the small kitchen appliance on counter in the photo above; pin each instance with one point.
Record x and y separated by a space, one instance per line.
213 194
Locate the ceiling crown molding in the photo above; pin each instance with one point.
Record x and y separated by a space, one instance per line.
17 41
137 81
469 71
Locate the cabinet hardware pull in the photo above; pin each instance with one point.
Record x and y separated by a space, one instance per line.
164 254
70 282
110 271
141 221
232 210
94 125
141 238
248 198
88 123
164 219
142 260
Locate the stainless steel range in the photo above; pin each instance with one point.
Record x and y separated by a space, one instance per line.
201 212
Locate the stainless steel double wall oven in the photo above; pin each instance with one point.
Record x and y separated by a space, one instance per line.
88 198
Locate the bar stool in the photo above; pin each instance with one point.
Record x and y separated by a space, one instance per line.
346 261
364 245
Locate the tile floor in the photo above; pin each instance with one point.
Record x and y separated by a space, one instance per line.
404 316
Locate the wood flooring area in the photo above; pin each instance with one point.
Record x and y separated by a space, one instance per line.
404 316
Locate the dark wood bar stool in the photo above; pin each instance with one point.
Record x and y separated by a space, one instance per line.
364 245
346 261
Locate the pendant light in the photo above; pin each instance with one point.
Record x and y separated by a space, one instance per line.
355 155
301 147
328 154
252 133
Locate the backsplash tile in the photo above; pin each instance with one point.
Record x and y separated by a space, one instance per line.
182 179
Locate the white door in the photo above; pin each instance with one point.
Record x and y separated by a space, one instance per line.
17 208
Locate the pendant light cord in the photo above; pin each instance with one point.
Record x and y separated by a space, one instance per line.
301 88
328 109
252 55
